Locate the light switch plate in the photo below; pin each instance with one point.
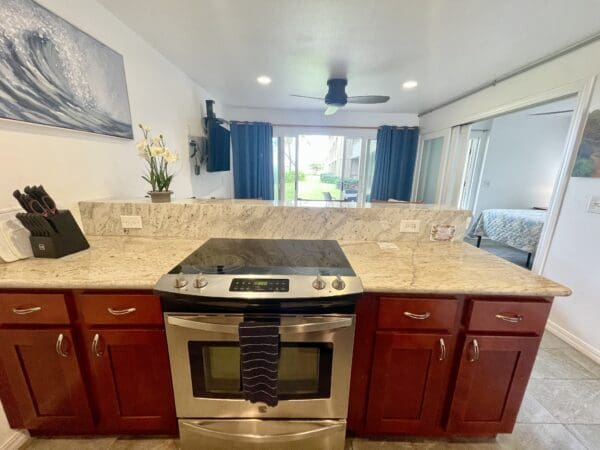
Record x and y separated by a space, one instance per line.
594 206
129 222
410 226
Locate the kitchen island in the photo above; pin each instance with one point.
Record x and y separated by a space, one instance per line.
446 337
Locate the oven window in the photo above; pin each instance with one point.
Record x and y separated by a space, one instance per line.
304 369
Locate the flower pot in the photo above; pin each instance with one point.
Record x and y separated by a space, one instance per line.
160 196
595 157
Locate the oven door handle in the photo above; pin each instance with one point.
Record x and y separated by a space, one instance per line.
202 426
305 327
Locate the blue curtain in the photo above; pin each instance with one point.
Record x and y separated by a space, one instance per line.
252 150
394 162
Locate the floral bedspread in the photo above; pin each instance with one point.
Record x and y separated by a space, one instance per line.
518 228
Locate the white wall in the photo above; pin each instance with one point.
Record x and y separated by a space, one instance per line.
75 166
316 119
574 256
522 161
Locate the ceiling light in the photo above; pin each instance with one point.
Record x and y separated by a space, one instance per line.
264 80
410 84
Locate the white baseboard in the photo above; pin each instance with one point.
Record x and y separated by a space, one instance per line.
15 440
585 348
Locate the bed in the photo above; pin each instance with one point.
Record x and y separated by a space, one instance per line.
517 228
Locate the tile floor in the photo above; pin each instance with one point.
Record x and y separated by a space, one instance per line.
561 410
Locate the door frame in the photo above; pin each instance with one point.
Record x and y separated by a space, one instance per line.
471 192
445 134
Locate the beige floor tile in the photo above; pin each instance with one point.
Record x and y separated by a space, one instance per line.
583 361
589 435
70 444
555 364
144 444
540 437
551 341
533 412
569 401
423 444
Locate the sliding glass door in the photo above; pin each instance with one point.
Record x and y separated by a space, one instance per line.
318 167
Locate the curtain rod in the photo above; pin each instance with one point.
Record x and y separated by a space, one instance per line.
323 126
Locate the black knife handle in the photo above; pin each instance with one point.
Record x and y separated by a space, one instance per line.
47 200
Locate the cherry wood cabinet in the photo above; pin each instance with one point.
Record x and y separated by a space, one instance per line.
132 380
409 380
491 382
44 376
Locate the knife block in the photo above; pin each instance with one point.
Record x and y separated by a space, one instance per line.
68 237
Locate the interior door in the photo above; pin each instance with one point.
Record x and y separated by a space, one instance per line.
45 378
409 379
491 383
476 145
132 380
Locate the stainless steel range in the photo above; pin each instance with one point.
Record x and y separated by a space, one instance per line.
307 290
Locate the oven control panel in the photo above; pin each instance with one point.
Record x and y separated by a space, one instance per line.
260 285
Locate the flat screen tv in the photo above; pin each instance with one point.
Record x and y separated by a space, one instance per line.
218 147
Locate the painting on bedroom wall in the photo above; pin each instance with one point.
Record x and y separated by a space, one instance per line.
587 163
52 73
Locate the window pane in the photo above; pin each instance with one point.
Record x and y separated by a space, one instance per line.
430 169
275 168
320 167
370 168
289 161
351 170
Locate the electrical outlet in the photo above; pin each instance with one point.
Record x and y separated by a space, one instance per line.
410 226
129 222
594 206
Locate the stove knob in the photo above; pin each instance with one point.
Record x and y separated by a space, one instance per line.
338 283
319 283
180 282
200 281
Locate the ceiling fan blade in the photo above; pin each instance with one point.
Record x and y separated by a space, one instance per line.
331 110
367 99
306 96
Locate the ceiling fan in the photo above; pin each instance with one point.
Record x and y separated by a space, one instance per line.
336 96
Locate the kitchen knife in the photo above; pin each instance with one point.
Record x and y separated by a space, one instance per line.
34 206
40 194
17 194
24 219
43 225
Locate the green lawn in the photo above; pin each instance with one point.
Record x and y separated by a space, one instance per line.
311 188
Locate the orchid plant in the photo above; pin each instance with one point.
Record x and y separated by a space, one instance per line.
155 152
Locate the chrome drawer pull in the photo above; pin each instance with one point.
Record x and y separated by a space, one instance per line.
121 312
442 350
417 316
512 318
59 346
23 311
475 353
95 343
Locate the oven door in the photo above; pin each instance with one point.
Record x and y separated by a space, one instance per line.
315 362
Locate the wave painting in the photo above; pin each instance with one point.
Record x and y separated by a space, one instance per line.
54 74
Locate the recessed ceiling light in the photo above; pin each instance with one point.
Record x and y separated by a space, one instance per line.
410 84
264 80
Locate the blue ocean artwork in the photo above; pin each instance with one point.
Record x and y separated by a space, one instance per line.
52 73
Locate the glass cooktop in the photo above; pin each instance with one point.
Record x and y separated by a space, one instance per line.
266 257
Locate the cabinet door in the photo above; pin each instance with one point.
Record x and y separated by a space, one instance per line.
408 383
491 383
44 377
132 380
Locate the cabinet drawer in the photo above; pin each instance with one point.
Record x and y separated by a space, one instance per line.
23 308
499 316
431 314
120 309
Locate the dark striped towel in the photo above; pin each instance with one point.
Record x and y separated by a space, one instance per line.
259 355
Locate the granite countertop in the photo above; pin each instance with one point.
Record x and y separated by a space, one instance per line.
414 267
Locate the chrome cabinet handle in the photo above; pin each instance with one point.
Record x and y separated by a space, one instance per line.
59 346
442 350
475 353
95 343
121 312
417 316
509 317
23 311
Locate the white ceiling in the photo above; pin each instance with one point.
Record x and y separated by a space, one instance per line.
448 46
